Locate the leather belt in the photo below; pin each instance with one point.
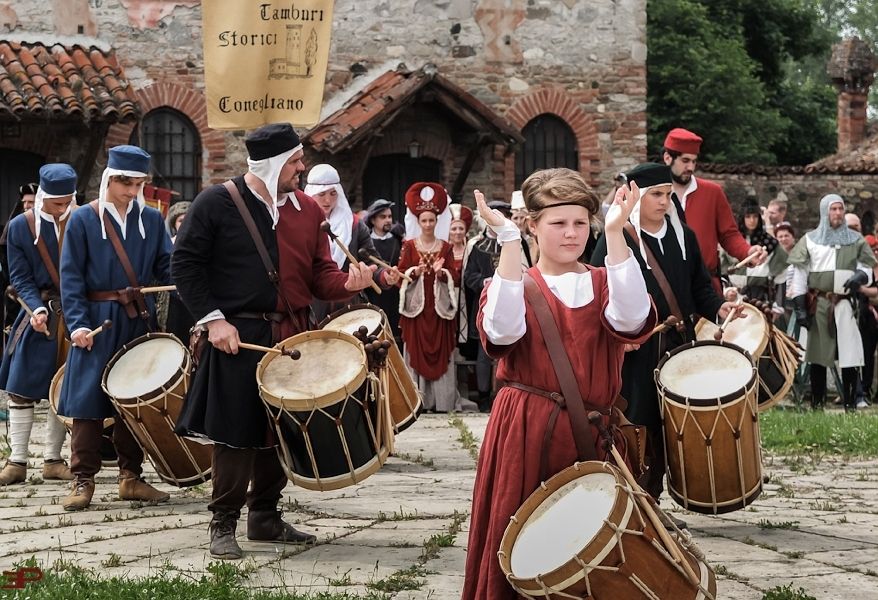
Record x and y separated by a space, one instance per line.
274 317
128 298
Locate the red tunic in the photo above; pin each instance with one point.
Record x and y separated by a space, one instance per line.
509 461
709 215
428 337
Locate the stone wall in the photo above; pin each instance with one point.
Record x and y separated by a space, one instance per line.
802 191
581 59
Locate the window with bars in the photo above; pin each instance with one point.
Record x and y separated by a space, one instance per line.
173 141
548 142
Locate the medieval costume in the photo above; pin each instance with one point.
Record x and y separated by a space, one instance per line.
428 305
173 316
220 276
757 282
94 278
678 257
31 358
706 210
529 436
832 262
387 246
463 215
349 229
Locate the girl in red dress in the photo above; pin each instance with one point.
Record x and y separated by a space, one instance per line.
598 312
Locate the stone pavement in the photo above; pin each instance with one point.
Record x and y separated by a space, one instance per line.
816 526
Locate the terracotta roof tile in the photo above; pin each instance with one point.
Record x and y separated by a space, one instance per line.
391 92
64 82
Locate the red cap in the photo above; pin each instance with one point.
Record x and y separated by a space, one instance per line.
872 241
426 197
462 213
683 141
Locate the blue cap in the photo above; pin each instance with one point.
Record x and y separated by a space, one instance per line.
129 158
58 179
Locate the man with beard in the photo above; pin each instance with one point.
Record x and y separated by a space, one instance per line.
704 205
226 286
831 262
379 220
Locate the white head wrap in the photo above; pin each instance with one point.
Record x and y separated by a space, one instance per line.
38 212
268 171
341 220
102 197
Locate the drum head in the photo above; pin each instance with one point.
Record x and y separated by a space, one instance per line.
750 333
352 320
563 525
705 371
327 365
145 367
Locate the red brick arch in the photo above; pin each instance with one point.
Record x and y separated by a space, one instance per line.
193 105
556 101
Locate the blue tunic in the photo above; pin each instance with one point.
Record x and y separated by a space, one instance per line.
89 264
28 371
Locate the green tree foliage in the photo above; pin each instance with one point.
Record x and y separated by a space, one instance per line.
741 74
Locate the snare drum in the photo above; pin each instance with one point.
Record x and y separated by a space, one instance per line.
707 391
774 351
147 380
325 409
581 534
55 397
403 395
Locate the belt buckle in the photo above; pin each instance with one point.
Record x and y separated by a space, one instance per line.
266 316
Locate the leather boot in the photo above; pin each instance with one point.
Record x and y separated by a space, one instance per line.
267 526
132 487
13 473
57 469
80 495
223 544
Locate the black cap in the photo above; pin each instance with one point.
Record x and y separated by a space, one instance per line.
376 207
271 140
650 174
503 207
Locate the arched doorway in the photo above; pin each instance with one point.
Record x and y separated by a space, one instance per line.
548 142
390 175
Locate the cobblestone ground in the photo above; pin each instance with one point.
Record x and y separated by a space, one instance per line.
815 526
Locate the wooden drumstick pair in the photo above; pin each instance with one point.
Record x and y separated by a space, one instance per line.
364 255
327 229
594 418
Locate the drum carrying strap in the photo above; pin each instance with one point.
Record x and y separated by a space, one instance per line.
43 250
270 269
659 275
136 295
582 432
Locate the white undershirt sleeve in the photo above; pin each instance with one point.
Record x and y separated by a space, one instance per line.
503 314
629 303
799 282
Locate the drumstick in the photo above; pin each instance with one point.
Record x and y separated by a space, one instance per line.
102 327
158 288
729 318
30 313
364 254
744 262
326 228
594 418
671 321
294 354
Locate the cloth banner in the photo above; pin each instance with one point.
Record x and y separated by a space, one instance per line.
265 62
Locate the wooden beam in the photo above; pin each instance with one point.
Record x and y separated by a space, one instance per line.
95 143
467 165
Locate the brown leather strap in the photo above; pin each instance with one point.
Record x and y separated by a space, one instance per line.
659 275
43 250
124 297
275 317
137 297
270 269
582 433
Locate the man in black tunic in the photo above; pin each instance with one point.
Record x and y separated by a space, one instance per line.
379 220
225 285
656 226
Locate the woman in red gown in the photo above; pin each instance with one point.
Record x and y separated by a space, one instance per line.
428 305
598 312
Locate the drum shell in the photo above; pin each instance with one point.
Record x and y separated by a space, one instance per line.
55 397
732 453
152 418
637 557
327 442
403 395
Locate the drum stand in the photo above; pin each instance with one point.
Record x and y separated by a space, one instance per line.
645 505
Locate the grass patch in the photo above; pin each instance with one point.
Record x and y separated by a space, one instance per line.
466 437
787 593
223 581
819 433
406 579
766 524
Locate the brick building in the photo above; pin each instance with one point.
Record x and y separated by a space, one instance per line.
472 93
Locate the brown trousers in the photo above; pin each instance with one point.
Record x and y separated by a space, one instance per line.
85 448
235 469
